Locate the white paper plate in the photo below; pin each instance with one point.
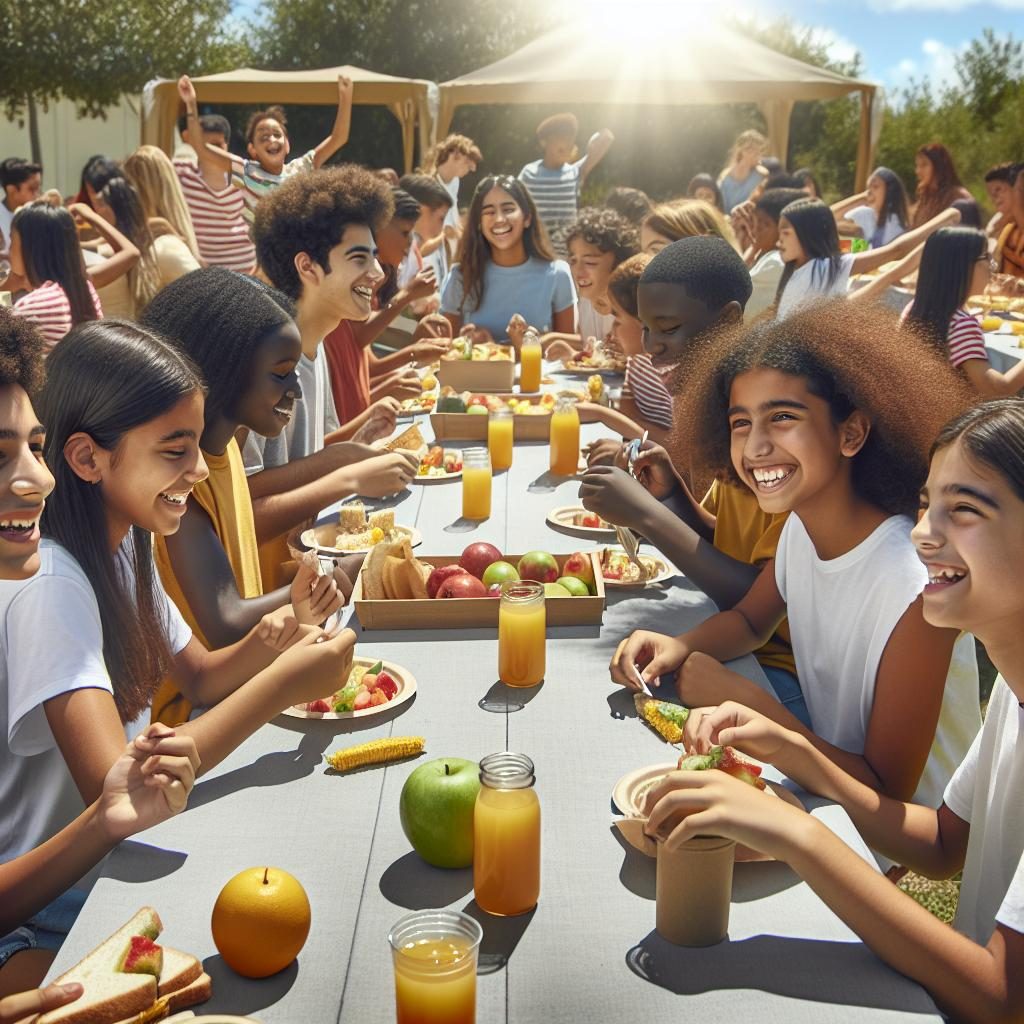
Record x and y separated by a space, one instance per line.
663 571
561 519
437 479
318 537
402 676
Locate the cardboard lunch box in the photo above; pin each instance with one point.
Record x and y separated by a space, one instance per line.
483 375
457 613
464 426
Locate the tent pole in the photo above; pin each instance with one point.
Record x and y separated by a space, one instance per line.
860 180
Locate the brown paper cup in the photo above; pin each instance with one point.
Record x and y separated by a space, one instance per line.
694 887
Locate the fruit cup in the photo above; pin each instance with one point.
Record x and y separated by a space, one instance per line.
434 954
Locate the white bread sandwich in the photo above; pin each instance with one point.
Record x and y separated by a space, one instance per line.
129 979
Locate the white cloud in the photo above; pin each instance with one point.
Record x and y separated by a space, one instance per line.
891 6
936 64
839 48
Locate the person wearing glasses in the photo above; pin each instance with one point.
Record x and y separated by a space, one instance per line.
506 266
954 265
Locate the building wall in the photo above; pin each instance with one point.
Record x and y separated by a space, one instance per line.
68 140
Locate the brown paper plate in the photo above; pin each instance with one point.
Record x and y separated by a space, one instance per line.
662 571
402 676
561 519
320 539
437 479
628 795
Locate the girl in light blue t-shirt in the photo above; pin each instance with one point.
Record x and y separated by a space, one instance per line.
506 266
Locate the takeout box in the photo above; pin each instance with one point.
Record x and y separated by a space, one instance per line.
483 375
463 426
457 612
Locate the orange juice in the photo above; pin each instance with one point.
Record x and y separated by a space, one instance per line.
522 634
565 439
506 837
476 484
435 955
530 366
500 434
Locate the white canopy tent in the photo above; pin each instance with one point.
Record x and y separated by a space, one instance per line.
617 63
406 98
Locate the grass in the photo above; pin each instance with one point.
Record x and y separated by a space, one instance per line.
940 897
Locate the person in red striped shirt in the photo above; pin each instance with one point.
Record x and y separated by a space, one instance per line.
955 264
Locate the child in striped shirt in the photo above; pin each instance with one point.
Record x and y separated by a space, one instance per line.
267 144
556 179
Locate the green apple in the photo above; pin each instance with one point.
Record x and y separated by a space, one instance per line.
555 590
574 585
538 566
478 410
436 808
499 572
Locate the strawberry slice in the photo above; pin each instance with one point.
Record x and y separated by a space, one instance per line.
386 685
320 706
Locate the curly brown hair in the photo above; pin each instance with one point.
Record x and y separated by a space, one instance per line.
854 358
21 353
625 280
274 113
605 230
310 212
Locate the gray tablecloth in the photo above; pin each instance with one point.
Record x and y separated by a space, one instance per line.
1004 351
589 951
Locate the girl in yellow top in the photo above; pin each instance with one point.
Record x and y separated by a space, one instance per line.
246 347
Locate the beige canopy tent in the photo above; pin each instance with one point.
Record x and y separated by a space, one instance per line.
406 98
624 62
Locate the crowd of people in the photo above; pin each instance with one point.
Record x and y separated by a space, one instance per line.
187 376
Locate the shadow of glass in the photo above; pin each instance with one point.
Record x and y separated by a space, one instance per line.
638 872
237 995
412 883
501 936
546 483
621 703
132 861
462 525
503 699
844 973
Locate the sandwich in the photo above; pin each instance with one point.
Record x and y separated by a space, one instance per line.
410 440
129 979
390 572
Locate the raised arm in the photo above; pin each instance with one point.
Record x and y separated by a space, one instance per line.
901 246
207 155
342 124
844 205
126 254
878 285
598 146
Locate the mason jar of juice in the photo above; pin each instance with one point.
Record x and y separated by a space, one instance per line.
476 484
506 836
500 434
565 438
530 363
522 633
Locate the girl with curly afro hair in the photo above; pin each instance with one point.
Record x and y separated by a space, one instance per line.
829 417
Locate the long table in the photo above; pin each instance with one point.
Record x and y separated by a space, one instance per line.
589 951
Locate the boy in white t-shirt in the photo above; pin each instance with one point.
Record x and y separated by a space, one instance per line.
970 538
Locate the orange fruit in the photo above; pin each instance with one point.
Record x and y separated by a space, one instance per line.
260 921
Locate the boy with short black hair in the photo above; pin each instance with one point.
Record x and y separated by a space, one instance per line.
435 204
556 179
20 182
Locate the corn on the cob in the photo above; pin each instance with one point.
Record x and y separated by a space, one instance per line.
375 752
668 728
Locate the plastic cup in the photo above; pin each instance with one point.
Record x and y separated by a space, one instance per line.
693 890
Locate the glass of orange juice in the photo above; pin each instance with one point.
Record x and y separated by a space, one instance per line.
522 633
476 484
435 954
530 363
500 435
506 836
565 438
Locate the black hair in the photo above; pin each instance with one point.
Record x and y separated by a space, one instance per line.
993 434
563 126
970 214
816 231
129 216
50 251
606 230
14 171
944 281
633 204
426 190
784 180
895 203
406 206
309 213
773 165
104 379
270 114
774 200
218 318
806 177
1002 172
98 170
705 181
706 266
21 353
213 123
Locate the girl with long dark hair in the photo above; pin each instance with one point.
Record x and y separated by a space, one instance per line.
46 252
954 265
506 265
703 186
938 184
879 214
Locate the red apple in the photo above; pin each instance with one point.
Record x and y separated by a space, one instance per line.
439 575
581 566
462 585
477 557
538 566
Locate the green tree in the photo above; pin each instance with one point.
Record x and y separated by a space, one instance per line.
93 53
990 70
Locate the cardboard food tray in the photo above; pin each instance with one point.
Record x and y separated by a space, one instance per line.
460 613
485 376
463 426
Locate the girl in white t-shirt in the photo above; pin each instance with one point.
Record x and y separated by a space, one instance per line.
970 536
801 414
879 214
817 269
124 414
